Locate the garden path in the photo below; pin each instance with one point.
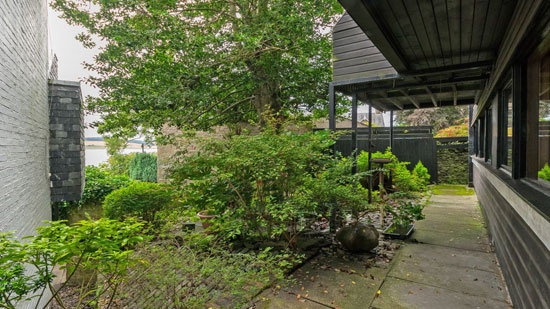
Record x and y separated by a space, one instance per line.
447 263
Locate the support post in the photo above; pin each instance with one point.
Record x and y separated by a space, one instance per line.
471 149
354 132
391 142
370 153
332 127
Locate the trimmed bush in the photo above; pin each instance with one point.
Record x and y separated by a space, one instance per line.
144 167
421 172
140 199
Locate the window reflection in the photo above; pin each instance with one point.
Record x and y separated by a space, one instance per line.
544 118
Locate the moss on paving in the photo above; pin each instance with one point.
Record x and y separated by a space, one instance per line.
452 190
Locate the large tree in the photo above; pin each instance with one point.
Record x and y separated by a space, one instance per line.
439 118
200 63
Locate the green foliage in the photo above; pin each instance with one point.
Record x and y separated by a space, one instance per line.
461 128
263 186
100 247
544 173
119 164
403 179
99 183
144 167
439 118
114 144
139 199
406 212
237 277
448 189
421 173
199 63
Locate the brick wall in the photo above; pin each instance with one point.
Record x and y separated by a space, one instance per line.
24 129
66 141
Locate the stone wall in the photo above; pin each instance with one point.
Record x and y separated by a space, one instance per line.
66 141
24 130
452 166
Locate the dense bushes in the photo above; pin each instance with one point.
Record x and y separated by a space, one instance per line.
544 173
99 183
101 248
119 164
403 179
144 167
263 186
140 199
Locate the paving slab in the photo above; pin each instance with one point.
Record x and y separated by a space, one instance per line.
451 240
277 299
402 294
451 276
427 255
337 287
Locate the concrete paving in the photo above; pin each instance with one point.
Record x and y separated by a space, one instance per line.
446 263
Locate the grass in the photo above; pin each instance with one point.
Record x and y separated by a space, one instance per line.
452 190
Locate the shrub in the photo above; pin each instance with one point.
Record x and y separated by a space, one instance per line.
99 183
144 167
544 173
259 185
421 173
140 199
119 164
403 179
101 248
460 129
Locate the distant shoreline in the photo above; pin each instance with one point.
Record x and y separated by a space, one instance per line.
101 144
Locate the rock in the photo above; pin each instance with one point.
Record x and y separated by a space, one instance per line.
358 237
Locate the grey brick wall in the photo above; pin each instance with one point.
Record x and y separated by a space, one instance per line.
24 130
66 141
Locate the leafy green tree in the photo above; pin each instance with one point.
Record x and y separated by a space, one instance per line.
199 63
439 118
114 144
144 167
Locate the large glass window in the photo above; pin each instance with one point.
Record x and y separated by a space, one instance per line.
544 118
508 120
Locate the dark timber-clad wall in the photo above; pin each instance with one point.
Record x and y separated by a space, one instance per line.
354 55
524 259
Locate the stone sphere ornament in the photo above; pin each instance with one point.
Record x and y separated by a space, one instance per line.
358 237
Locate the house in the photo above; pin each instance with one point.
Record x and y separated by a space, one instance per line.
493 55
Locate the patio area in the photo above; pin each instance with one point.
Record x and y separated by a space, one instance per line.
448 262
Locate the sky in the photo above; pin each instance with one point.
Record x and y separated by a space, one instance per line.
71 56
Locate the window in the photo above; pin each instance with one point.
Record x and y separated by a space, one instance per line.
507 126
481 134
544 118
488 134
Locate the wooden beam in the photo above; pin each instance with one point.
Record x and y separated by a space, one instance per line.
455 95
450 68
392 100
413 100
423 84
374 28
434 100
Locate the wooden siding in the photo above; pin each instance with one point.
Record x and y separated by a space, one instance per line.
354 54
524 258
521 20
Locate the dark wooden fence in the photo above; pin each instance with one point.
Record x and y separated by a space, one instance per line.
410 144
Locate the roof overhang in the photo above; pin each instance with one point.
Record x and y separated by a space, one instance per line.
443 51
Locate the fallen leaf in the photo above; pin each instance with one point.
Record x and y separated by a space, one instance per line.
298 296
411 292
353 282
312 278
325 291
